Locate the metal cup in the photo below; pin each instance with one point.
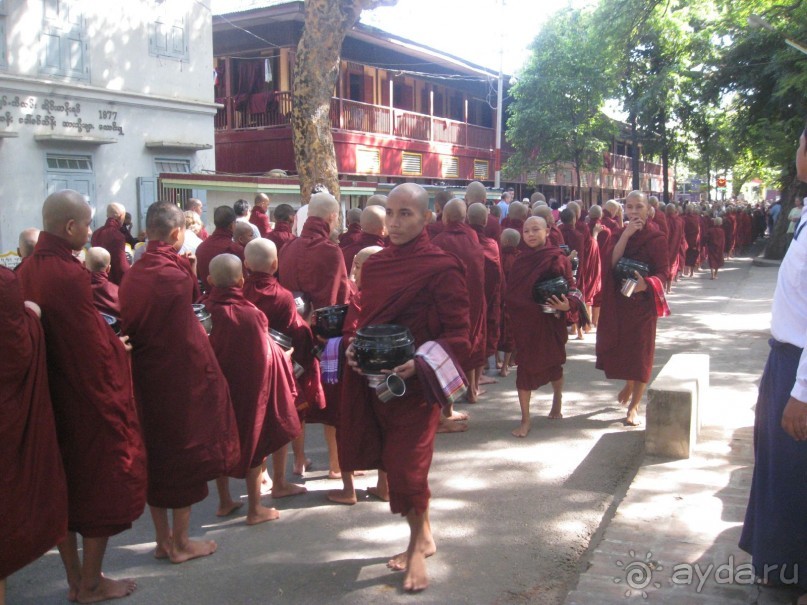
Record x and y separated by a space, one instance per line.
394 386
628 286
298 369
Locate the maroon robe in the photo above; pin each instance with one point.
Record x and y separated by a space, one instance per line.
493 228
419 286
589 271
281 235
682 242
188 420
705 224
660 219
626 332
436 227
603 237
506 341
729 229
461 241
33 507
91 390
219 242
673 246
554 236
351 235
203 233
113 241
314 265
262 391
277 303
692 235
715 243
540 337
258 218
494 279
365 241
609 221
104 294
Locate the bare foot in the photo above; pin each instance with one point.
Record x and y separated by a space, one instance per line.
72 591
334 475
225 510
192 550
288 489
456 416
416 579
106 589
480 392
484 379
160 552
340 496
555 414
401 561
452 427
523 429
624 395
504 372
381 494
632 421
262 515
300 467
471 397
579 337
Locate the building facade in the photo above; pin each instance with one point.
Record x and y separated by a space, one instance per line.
101 97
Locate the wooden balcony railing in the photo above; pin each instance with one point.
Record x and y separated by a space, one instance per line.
624 163
241 113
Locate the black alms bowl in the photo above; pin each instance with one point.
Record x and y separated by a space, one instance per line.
626 267
281 339
567 251
204 317
112 322
328 321
383 347
542 291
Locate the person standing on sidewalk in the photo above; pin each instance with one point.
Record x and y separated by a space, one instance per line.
775 528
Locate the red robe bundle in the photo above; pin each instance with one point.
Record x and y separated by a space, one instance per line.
314 265
351 235
277 303
219 242
506 341
729 226
493 228
588 274
91 390
603 236
716 245
554 236
110 238
673 243
33 508
419 286
682 243
281 235
366 240
692 234
541 337
705 225
262 391
104 294
660 219
626 332
493 289
188 420
461 241
258 218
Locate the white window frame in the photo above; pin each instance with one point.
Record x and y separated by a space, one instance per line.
174 33
65 27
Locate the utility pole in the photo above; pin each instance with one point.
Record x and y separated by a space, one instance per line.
497 176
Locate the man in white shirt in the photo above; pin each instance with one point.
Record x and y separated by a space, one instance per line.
504 204
775 528
241 208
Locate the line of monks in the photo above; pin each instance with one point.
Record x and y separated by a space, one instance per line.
101 424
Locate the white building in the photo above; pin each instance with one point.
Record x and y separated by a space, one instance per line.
101 97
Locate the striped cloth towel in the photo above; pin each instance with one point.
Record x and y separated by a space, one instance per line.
329 365
441 376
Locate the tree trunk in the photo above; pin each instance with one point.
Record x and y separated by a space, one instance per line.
634 163
316 69
665 159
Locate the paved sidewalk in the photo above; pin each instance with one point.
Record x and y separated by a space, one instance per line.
673 538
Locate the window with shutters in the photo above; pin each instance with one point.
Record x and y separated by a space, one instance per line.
63 41
451 167
411 164
175 166
168 37
481 169
368 161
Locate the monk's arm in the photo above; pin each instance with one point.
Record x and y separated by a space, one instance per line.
450 293
619 249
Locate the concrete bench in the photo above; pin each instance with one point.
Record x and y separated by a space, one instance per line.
673 406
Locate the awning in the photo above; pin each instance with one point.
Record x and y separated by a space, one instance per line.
72 139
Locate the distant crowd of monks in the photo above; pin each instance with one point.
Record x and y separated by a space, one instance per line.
105 423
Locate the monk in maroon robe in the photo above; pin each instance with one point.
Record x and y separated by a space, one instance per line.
692 235
477 219
373 232
314 265
96 418
602 234
541 336
674 237
460 240
415 284
509 252
352 218
188 420
263 290
658 216
553 233
626 334
517 213
284 219
729 230
104 292
715 243
612 215
441 198
33 508
705 225
262 392
219 242
589 271
259 216
110 238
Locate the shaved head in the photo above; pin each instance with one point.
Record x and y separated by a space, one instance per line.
373 220
358 260
476 193
537 197
27 241
574 207
545 212
261 255
323 205
225 271
510 237
441 199
223 217
535 220
418 194
353 216
194 204
97 259
115 210
454 212
161 220
67 215
243 233
477 214
517 211
595 212
407 213
653 201
377 200
613 208
284 213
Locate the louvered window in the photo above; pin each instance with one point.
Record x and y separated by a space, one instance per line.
368 161
481 169
451 167
411 164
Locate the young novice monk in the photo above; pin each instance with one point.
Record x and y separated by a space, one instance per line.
510 240
540 337
262 391
104 292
